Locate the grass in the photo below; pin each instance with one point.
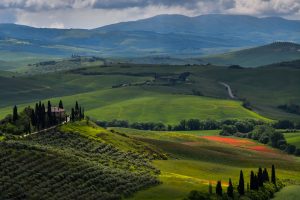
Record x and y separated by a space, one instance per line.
265 88
288 193
293 138
137 105
195 160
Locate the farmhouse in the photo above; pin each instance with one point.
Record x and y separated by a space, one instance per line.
58 112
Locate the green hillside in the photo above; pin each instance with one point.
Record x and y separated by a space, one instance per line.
75 161
195 161
258 56
159 92
293 138
136 105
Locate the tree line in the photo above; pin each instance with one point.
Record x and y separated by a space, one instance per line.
183 125
259 187
243 126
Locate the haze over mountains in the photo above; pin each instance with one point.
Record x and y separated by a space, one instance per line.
163 35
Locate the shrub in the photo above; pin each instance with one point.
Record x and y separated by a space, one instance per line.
297 152
290 149
196 195
228 130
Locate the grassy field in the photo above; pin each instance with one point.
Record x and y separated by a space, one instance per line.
196 159
143 98
137 105
289 193
293 138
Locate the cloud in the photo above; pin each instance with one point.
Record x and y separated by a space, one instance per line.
95 13
92 18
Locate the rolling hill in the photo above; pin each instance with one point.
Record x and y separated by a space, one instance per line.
258 56
156 93
75 161
164 35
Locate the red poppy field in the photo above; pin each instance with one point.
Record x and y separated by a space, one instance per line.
241 143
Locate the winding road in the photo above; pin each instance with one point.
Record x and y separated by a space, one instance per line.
230 93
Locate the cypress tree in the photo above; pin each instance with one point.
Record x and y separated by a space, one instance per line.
256 184
15 114
33 118
72 115
43 116
230 189
252 184
273 176
82 113
61 105
49 114
260 177
76 106
266 175
219 190
241 186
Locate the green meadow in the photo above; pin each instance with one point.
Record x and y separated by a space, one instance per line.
137 105
195 161
129 91
293 138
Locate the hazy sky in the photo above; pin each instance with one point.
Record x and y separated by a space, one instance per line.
95 13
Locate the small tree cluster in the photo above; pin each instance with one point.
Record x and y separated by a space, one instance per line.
77 113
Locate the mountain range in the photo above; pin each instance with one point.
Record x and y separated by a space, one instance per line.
164 35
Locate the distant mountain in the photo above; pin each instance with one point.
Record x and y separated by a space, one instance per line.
214 24
263 55
164 35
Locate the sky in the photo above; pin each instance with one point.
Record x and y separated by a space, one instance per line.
95 13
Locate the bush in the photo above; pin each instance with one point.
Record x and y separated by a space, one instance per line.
297 152
228 130
290 149
284 124
196 195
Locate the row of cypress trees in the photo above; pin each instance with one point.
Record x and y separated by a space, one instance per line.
43 118
256 181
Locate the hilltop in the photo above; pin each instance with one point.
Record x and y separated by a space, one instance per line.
263 55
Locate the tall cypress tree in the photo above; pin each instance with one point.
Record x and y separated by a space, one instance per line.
72 115
49 114
61 105
230 189
219 190
273 176
82 113
43 115
33 118
241 186
260 179
252 181
15 114
256 184
266 175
